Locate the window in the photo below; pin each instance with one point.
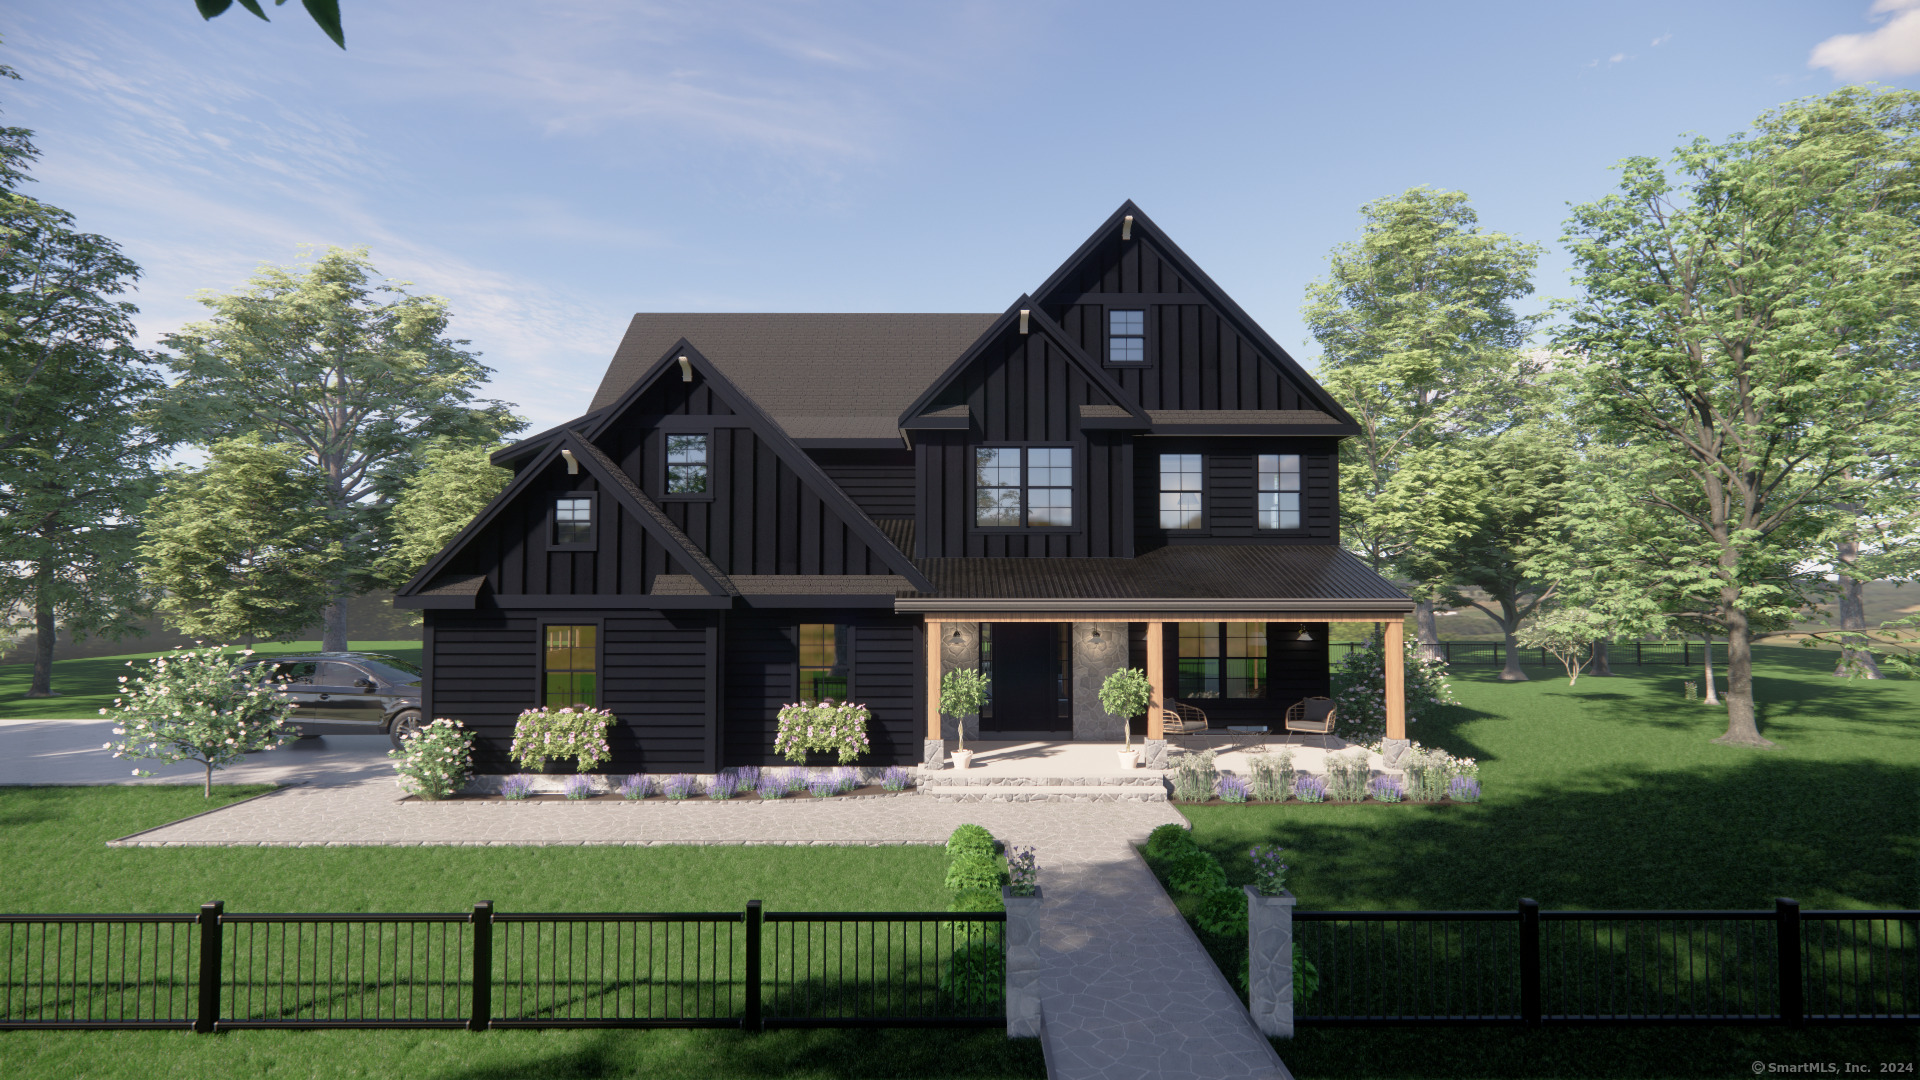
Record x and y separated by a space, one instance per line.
1180 477
1126 337
1033 485
573 520
686 464
570 675
1279 491
1223 660
824 653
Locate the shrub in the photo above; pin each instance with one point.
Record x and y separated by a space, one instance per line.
976 974
896 778
1347 775
1023 872
1360 689
1386 789
1124 695
1269 873
1167 840
1273 776
1193 777
1232 789
971 838
1309 788
637 786
1223 911
516 787
1195 871
577 732
435 761
1464 789
1430 773
963 692
773 787
976 900
973 870
201 705
680 786
578 786
839 727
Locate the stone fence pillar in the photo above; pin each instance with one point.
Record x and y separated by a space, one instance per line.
1269 962
1023 964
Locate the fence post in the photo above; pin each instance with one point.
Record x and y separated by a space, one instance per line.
209 1011
1793 1002
1639 658
482 1016
751 1021
1270 962
1529 961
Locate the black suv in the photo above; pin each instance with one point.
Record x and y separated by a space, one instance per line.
348 693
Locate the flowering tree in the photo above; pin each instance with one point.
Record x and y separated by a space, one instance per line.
1568 633
840 727
1360 689
201 705
435 761
577 731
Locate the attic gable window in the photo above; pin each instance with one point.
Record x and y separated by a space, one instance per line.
686 464
1023 485
1126 337
573 520
1279 491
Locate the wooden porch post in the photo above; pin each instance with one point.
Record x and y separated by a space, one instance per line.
933 679
1396 680
1156 677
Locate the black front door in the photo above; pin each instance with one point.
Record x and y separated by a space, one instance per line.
1029 677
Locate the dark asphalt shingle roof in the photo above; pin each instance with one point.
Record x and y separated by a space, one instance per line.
1188 571
817 375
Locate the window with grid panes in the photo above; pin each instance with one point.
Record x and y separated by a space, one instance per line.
1015 485
1180 486
1279 491
1126 337
573 521
823 662
571 667
1223 660
686 464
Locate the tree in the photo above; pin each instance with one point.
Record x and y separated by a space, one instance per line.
357 375
1747 328
453 485
1422 346
77 440
243 547
325 13
203 705
1499 497
1566 632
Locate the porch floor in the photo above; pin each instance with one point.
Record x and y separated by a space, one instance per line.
1096 760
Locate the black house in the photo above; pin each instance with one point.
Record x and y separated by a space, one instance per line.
1120 469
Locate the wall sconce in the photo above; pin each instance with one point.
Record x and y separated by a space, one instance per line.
956 637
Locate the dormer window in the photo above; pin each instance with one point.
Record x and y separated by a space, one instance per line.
1126 336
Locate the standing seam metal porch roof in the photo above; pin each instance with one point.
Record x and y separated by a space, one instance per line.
1190 572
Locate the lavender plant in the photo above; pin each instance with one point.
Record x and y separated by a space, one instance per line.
680 786
772 787
746 778
435 761
1310 788
1386 789
205 705
725 784
845 779
578 786
797 780
516 787
822 786
637 786
896 778
1023 870
1232 789
1269 873
1273 776
1464 789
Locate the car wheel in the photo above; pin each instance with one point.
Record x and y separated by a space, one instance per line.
404 723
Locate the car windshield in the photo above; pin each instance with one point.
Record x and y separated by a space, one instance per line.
392 669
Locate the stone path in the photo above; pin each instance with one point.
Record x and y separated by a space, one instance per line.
1129 993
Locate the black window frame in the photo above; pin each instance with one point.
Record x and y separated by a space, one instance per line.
849 636
1146 335
599 659
665 474
1159 489
592 542
1221 660
1074 489
1299 492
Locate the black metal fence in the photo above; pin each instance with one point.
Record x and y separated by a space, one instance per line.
1533 966
743 969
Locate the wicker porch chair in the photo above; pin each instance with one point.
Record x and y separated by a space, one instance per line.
1311 716
1178 719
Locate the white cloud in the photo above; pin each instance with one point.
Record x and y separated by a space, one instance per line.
1661 40
1891 50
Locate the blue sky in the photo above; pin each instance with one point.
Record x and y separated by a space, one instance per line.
552 168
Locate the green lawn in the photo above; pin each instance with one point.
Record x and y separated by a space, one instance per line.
1610 794
52 844
84 687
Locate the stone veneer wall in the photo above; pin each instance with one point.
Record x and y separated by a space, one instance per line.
954 655
1092 663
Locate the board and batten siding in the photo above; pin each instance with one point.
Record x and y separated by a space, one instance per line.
762 675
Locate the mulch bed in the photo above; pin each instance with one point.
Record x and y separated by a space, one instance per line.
866 791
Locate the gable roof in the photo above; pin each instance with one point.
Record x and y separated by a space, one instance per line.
783 446
1037 321
824 379
1212 293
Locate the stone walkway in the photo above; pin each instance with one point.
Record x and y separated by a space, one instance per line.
1129 995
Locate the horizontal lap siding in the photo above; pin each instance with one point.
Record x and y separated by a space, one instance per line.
654 675
1232 491
880 482
761 676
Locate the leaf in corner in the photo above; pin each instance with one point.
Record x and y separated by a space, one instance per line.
327 14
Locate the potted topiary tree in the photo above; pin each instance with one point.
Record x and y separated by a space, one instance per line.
1126 694
963 692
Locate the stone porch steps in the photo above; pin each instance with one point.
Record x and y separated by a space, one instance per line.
952 786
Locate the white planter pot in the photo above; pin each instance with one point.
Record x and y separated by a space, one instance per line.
1128 758
963 759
